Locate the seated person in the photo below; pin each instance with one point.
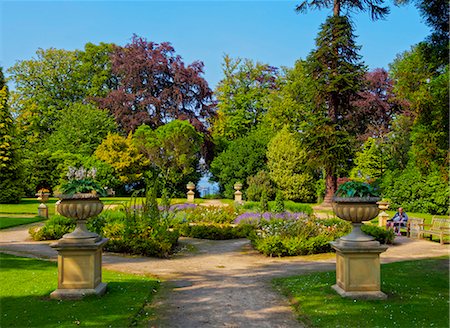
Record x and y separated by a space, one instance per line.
399 220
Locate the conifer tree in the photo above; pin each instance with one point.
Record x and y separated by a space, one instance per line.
10 173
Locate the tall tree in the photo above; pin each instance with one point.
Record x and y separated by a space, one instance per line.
173 151
337 73
155 86
336 67
80 129
374 7
10 169
242 97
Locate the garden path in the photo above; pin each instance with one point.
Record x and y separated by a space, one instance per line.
219 283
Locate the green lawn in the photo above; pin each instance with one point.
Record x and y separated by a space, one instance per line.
8 222
418 296
26 285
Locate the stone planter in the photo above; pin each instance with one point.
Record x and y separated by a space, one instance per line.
357 254
80 207
190 194
238 193
43 197
356 210
79 252
383 216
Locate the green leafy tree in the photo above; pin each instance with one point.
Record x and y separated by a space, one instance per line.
243 158
257 185
241 97
286 161
424 85
121 153
371 161
173 151
44 85
80 129
10 169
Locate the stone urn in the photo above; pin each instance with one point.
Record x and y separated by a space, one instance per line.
357 254
42 196
356 210
79 252
383 216
190 194
238 193
80 207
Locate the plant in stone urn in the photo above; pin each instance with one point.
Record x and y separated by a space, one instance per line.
79 201
356 202
43 194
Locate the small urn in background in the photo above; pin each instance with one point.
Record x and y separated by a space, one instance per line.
238 193
190 194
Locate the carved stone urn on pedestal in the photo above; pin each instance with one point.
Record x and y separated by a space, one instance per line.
190 194
238 193
357 254
79 252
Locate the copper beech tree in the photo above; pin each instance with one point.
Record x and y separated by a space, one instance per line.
155 86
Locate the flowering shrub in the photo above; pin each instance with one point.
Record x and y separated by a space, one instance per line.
300 235
81 181
255 218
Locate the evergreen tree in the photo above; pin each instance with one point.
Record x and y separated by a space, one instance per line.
336 74
10 170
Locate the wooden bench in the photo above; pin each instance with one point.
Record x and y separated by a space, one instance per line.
414 227
438 227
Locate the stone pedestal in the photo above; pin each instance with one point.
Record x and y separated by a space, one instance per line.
190 196
382 219
358 268
79 269
238 196
43 210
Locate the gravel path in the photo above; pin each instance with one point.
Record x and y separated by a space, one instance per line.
219 283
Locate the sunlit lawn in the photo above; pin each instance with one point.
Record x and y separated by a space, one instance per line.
418 296
7 222
26 285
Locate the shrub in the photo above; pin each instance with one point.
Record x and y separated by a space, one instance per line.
302 236
211 214
380 234
54 228
288 205
258 185
416 192
278 206
215 231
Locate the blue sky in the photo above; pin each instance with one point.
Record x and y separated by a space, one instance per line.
265 31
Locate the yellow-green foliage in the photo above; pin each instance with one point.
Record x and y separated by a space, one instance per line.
286 162
123 156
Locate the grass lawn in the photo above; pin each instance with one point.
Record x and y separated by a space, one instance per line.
26 285
418 296
8 222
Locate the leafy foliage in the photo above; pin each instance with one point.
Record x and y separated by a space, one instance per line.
381 235
357 189
54 228
243 158
286 161
241 97
121 153
257 185
279 237
10 169
416 192
173 151
155 86
80 129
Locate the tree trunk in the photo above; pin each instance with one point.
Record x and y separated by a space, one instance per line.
337 8
331 186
